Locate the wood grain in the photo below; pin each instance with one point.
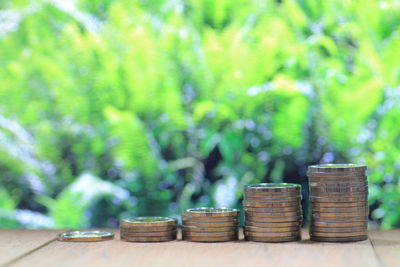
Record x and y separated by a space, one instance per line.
16 243
183 253
387 246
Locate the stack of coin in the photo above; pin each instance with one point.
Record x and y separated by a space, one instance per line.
210 224
272 212
148 229
339 202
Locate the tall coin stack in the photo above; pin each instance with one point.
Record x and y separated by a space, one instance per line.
272 212
210 224
339 202
148 229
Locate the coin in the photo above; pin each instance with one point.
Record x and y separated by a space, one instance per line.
340 209
339 219
149 239
211 212
273 219
234 223
273 224
338 190
339 239
210 239
273 209
337 168
345 224
270 204
272 239
338 199
325 234
147 234
148 228
210 219
188 233
337 229
271 234
85 236
271 194
263 200
209 229
339 214
273 187
338 184
148 221
315 203
271 229
274 214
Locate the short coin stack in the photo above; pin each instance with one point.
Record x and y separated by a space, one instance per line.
210 224
339 202
272 212
148 229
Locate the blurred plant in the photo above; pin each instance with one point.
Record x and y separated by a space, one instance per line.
114 108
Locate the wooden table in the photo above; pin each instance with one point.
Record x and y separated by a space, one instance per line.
40 248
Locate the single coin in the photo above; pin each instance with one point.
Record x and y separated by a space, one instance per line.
337 168
316 203
188 233
325 234
338 199
274 214
85 236
210 239
146 234
273 224
273 187
210 224
271 194
211 212
247 204
273 209
148 221
210 219
263 200
363 224
338 190
338 184
272 239
209 229
340 176
149 239
271 234
271 229
148 228
273 219
339 239
314 228
339 219
340 209
339 214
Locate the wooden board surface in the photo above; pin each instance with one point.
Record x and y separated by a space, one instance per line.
17 243
387 246
182 253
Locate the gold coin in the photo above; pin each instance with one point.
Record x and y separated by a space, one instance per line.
339 219
272 239
210 224
271 229
270 204
274 209
363 224
314 228
147 234
149 228
271 234
273 187
210 219
325 234
209 229
149 239
338 199
273 219
316 203
274 214
337 168
263 200
211 212
148 221
339 214
340 209
85 236
339 239
187 233
273 224
210 239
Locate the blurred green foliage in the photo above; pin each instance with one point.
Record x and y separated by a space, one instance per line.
115 108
